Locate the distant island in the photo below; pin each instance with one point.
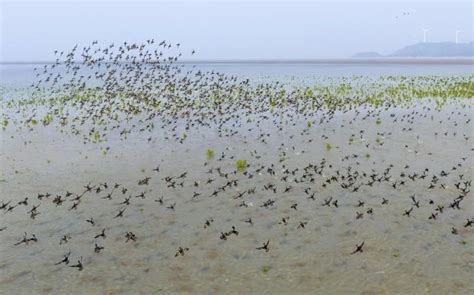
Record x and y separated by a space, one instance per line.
427 49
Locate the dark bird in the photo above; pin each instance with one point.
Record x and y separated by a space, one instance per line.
265 246
65 259
302 224
129 236
181 251
359 248
469 222
78 265
98 248
101 235
249 221
408 212
64 239
120 213
208 222
91 221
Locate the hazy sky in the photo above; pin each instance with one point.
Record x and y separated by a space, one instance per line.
32 30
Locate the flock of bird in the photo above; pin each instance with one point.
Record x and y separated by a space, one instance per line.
101 89
135 88
302 182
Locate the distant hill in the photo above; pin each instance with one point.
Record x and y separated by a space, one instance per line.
428 49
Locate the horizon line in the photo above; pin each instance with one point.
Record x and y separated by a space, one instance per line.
354 60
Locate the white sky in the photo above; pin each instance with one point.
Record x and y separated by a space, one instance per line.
32 30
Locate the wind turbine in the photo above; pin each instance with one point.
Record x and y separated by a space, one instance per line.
424 34
457 33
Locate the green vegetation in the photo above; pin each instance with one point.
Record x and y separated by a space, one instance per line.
96 136
74 107
210 154
5 123
241 165
47 119
328 146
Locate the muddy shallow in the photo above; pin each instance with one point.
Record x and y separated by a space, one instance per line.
401 255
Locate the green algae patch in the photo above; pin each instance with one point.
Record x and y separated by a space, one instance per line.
328 146
241 165
210 154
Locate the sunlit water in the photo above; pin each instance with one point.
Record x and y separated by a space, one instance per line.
401 255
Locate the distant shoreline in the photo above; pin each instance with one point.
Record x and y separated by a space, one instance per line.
336 61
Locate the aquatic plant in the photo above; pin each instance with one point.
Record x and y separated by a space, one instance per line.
328 146
265 269
47 119
241 165
4 123
210 154
96 136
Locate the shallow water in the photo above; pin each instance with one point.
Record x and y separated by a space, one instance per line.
23 74
401 255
